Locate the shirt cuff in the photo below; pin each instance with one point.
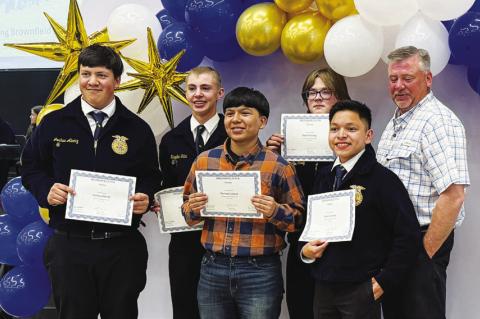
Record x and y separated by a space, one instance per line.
306 259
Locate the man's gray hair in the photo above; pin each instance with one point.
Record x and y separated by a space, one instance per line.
406 52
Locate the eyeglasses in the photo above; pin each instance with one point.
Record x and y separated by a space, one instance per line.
325 94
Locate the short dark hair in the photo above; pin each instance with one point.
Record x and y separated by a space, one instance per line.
247 97
350 105
99 55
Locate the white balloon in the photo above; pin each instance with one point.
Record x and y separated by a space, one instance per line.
442 10
425 33
130 21
386 12
389 38
353 46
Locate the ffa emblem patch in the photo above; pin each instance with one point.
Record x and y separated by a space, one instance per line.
119 144
358 194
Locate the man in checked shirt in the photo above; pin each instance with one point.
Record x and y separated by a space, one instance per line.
425 145
241 274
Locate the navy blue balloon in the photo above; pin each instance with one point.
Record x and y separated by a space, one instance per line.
24 290
9 229
473 75
448 24
224 51
213 21
176 8
464 39
19 202
475 7
31 242
165 18
176 37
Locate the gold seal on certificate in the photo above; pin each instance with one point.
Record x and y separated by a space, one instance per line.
330 216
170 218
229 193
100 197
306 137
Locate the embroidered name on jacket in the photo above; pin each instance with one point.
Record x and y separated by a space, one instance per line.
59 140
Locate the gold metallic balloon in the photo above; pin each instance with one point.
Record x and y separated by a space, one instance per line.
71 41
310 9
336 9
293 5
303 37
44 213
47 109
259 29
157 79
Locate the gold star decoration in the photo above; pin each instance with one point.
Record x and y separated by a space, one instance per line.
157 78
71 42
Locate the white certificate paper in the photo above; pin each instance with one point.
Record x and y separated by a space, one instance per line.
170 218
330 216
306 137
100 197
229 193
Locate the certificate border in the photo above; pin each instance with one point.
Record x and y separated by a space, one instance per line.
311 158
161 220
256 176
349 234
127 220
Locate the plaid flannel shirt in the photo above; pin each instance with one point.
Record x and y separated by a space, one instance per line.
426 148
243 236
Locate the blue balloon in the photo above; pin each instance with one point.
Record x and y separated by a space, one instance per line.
176 8
475 7
473 75
224 51
24 290
176 37
19 202
165 18
464 39
213 21
448 24
31 242
9 229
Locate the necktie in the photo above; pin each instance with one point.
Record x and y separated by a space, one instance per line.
98 117
340 172
199 144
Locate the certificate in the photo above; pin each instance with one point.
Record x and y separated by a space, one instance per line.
330 216
306 137
170 218
229 193
100 198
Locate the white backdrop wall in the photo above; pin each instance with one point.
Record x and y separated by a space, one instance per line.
281 82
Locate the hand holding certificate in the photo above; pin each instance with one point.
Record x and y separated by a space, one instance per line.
170 217
100 197
229 193
306 137
330 217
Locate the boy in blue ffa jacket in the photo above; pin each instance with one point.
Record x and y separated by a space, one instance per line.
352 276
95 268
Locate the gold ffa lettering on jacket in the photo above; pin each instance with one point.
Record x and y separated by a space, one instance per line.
60 140
175 157
358 194
119 144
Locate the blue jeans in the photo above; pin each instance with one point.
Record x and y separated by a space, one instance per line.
240 287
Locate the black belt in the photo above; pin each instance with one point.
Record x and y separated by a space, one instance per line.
93 235
424 228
